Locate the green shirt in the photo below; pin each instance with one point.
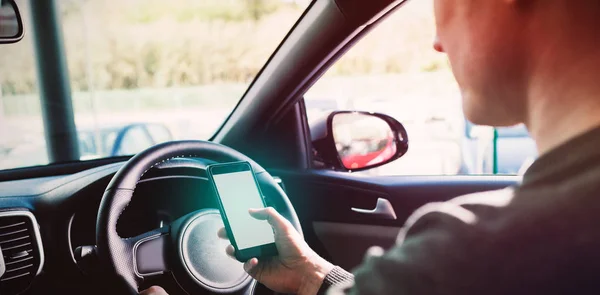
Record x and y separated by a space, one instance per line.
540 237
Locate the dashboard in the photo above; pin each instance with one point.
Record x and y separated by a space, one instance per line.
66 208
152 206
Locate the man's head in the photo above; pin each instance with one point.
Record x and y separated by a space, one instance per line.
499 49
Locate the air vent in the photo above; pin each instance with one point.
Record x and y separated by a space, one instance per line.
21 250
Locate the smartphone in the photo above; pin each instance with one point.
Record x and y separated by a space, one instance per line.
237 190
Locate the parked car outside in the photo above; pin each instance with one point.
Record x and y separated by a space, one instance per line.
106 141
516 150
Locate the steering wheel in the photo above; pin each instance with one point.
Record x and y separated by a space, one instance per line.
188 248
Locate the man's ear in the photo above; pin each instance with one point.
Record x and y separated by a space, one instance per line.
437 45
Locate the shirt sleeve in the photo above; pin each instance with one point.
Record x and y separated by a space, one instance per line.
336 277
439 251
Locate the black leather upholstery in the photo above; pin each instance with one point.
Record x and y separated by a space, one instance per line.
130 174
114 250
117 252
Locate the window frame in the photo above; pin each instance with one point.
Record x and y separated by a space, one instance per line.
511 132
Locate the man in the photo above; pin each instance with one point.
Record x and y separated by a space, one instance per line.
530 61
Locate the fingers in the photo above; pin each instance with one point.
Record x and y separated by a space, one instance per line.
278 222
250 265
230 251
375 251
222 233
154 290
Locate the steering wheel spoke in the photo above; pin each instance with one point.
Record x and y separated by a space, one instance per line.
149 251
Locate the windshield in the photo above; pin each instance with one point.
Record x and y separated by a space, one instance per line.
141 72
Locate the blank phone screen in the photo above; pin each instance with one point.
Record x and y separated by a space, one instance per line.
238 193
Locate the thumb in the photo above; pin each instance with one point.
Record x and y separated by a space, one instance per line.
154 290
278 222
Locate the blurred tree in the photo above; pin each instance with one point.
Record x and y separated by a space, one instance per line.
261 8
153 43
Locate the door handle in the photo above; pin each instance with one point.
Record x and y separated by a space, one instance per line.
383 210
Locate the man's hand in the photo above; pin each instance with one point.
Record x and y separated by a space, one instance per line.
297 269
154 290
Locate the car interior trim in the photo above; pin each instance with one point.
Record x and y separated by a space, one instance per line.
172 177
69 240
58 169
295 48
135 249
36 233
340 34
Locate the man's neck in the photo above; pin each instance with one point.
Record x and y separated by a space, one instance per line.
550 131
565 105
564 74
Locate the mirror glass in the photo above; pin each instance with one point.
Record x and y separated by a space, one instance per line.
10 26
362 140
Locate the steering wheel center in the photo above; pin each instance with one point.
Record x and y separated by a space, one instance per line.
202 254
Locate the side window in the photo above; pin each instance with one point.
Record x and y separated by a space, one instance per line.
395 70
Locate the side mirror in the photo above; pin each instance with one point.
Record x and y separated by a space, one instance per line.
355 141
11 25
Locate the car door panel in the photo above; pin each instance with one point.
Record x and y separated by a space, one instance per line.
336 238
324 201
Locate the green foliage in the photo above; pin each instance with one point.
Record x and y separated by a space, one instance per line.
130 101
134 44
434 66
215 10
